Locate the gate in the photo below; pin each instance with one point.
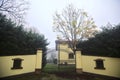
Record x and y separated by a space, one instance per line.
63 67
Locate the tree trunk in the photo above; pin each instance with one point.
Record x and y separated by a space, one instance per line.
74 51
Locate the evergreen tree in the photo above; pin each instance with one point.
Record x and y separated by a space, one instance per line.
15 40
106 43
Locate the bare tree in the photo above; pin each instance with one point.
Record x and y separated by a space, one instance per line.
14 9
73 25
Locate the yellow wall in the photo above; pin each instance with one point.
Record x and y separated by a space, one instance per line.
6 63
88 64
112 65
29 64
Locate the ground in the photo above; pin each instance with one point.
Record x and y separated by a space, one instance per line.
53 72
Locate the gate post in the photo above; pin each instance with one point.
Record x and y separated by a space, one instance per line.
78 62
38 65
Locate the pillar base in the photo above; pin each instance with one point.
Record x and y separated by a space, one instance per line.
79 70
37 71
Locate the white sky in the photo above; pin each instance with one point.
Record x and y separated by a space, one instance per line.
40 14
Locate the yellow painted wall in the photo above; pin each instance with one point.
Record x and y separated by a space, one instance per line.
87 63
78 60
112 65
6 63
38 64
64 52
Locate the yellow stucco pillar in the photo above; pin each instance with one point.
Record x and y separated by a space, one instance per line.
38 65
78 62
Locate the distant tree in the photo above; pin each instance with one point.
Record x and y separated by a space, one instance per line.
73 25
106 43
53 56
55 61
49 60
14 9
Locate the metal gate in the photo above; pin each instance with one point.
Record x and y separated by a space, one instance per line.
62 67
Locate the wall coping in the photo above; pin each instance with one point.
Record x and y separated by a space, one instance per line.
18 55
101 56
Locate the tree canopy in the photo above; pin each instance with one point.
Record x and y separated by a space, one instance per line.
15 40
73 25
106 43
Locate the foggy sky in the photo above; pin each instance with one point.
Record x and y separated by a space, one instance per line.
40 14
